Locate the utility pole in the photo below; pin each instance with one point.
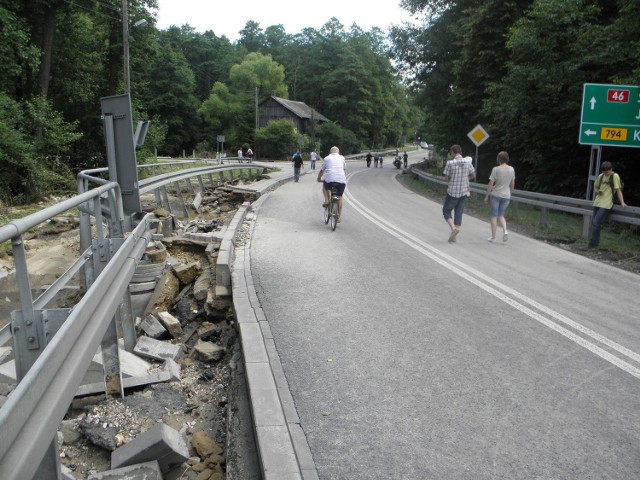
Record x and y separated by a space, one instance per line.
125 43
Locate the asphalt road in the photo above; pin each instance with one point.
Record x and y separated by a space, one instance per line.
412 358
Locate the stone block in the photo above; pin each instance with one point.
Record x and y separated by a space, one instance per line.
140 471
157 350
171 323
202 285
152 327
207 351
161 443
186 274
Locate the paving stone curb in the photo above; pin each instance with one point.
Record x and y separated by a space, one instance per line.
281 442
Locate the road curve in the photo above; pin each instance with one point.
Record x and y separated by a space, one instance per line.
408 357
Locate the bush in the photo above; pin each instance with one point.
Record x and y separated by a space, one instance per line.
276 140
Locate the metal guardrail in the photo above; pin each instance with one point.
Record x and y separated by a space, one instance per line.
584 208
49 375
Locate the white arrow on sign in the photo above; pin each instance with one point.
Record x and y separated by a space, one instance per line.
589 133
593 103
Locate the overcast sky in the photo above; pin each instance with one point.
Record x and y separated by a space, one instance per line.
228 17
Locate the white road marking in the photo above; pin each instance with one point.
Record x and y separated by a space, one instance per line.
508 295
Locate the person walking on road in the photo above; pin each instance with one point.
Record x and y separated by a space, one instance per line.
606 186
297 165
249 154
502 181
334 171
313 156
240 155
368 159
457 173
405 159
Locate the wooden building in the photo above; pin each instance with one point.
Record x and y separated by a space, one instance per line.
302 116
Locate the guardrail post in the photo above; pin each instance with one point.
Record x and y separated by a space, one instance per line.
199 177
165 198
586 226
126 321
190 186
103 251
29 340
543 216
176 185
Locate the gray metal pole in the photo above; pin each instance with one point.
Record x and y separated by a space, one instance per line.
125 43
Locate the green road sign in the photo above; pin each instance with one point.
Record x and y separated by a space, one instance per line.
610 115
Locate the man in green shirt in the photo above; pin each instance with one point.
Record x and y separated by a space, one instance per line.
606 186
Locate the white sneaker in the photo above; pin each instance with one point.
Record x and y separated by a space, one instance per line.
505 236
491 240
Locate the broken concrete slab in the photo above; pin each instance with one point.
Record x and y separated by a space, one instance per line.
152 327
170 373
202 284
131 366
161 443
207 351
197 201
171 323
157 350
140 471
186 274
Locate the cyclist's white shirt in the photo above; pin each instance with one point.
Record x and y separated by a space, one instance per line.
334 167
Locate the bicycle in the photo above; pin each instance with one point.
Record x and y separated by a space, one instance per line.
331 209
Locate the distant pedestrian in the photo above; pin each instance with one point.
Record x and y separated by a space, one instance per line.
297 165
405 159
606 186
457 173
502 181
249 154
376 158
380 158
240 155
368 159
313 156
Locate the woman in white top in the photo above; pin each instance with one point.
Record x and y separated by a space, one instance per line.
502 181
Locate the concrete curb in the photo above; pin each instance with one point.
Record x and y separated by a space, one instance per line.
282 445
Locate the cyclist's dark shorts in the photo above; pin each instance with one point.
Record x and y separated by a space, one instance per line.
338 186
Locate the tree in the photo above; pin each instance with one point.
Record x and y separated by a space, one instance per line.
258 70
535 108
331 133
171 97
277 140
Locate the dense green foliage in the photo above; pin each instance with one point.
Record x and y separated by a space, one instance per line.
58 58
517 67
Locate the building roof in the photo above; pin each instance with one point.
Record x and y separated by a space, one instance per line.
300 109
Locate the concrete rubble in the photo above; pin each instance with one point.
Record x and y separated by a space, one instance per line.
172 421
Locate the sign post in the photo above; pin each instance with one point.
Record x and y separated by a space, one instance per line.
610 115
478 136
220 139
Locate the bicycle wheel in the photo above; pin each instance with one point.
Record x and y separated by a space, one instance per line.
333 221
327 213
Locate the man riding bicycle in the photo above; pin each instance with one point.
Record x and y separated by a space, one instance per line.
334 169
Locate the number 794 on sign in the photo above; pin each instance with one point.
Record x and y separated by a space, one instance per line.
619 134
